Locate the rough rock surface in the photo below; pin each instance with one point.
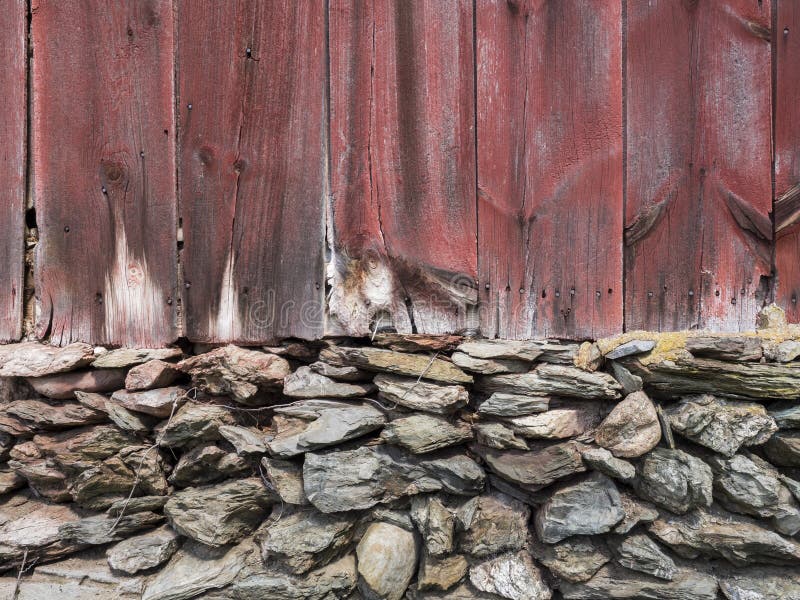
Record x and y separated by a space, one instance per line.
150 375
144 551
386 561
421 395
675 480
305 383
29 359
484 366
724 426
62 386
640 553
492 524
158 403
500 404
574 559
602 460
588 507
512 576
238 372
219 514
536 469
556 380
632 427
563 420
398 363
498 436
617 582
128 357
420 433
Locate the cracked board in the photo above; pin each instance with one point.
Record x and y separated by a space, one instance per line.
550 167
402 166
252 110
12 167
698 235
104 184
787 158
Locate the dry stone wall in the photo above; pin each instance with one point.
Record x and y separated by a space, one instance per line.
405 466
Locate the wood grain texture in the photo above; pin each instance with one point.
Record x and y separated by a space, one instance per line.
104 182
252 110
549 100
402 165
698 232
787 158
12 166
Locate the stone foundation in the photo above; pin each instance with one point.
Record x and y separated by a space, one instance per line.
645 466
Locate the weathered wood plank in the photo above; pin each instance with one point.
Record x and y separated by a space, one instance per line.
402 165
550 167
787 158
104 177
12 167
697 227
252 105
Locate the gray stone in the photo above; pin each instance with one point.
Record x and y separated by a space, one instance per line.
503 350
10 480
196 568
397 363
128 420
441 573
387 559
140 504
152 374
785 414
674 480
536 469
88 572
332 582
783 352
636 511
416 342
783 448
305 383
630 348
498 436
31 359
574 559
128 357
421 433
219 514
62 386
589 506
41 414
305 540
484 366
630 383
143 552
286 478
244 375
718 534
314 424
721 425
500 404
555 380
760 584
617 583
632 427
246 441
193 423
640 553
421 395
158 403
436 524
207 463
747 484
492 524
512 576
564 420
602 460
358 479
101 529
340 373
725 347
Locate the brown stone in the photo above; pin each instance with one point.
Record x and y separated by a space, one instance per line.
152 374
62 386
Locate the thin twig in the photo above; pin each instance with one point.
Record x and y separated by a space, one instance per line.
22 570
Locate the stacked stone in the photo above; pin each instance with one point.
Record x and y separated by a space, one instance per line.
405 466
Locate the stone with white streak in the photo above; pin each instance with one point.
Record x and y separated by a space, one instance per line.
512 576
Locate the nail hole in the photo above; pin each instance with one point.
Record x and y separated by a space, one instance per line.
544 293
691 292
521 290
785 31
189 106
66 229
610 291
716 293
649 294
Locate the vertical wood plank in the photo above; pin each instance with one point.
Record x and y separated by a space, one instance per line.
103 158
12 166
787 158
252 106
550 167
402 165
698 232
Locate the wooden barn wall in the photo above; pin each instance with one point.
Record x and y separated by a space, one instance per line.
248 171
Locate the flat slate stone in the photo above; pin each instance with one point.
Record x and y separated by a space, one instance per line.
484 366
535 469
562 420
631 348
421 433
725 347
617 582
397 363
158 403
150 375
306 383
421 395
501 404
31 359
128 357
639 552
555 380
54 415
589 506
674 480
498 436
62 386
144 551
574 559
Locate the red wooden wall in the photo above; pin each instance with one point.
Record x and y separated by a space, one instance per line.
247 171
